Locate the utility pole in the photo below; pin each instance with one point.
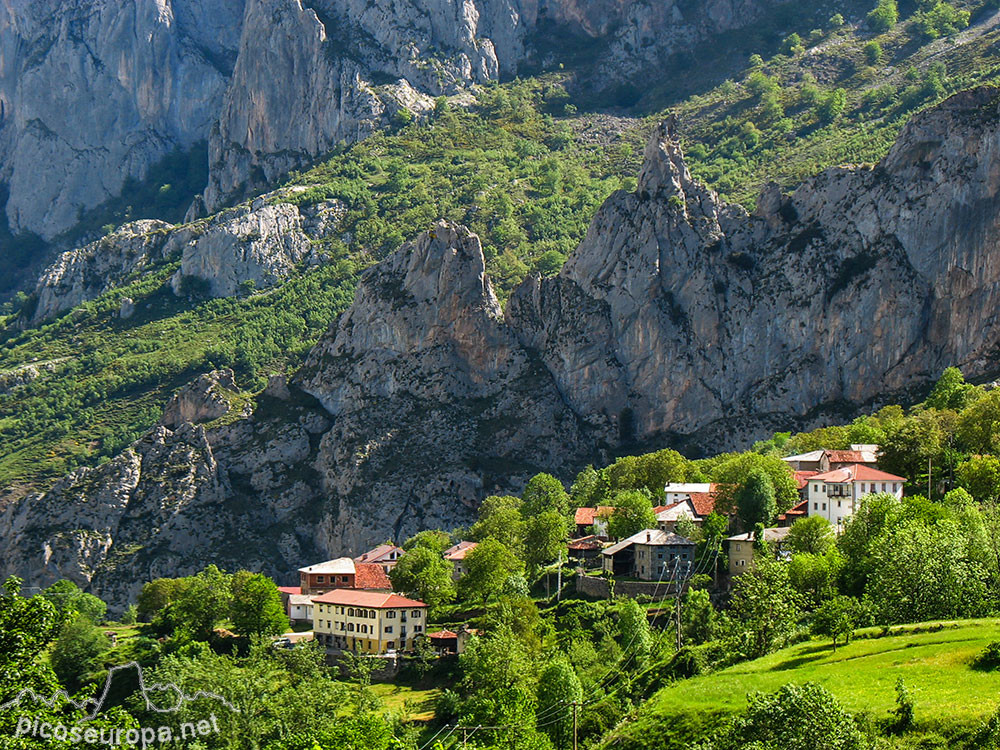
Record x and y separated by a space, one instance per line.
680 591
465 737
928 477
576 705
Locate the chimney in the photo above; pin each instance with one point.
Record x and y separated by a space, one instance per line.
648 536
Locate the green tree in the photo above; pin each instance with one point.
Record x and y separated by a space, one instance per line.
755 500
633 513
864 530
835 619
831 106
158 593
815 576
436 541
544 538
256 608
980 476
558 687
951 391
732 472
590 489
884 16
500 518
635 635
978 425
488 569
764 608
942 19
792 45
873 52
795 717
204 603
424 574
80 642
812 534
543 493
699 620
69 599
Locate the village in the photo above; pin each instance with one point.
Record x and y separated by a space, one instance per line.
349 604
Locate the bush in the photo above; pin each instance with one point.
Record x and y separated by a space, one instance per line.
832 106
988 659
884 16
792 45
836 21
940 20
873 52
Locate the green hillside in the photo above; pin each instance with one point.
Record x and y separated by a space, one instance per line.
933 659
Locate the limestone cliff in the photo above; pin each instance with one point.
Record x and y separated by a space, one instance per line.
678 316
95 92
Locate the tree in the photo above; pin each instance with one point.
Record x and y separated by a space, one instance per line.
815 576
544 538
792 45
633 513
590 489
795 717
942 19
731 473
436 541
80 642
698 617
543 493
205 602
558 687
69 600
884 16
812 534
864 530
980 476
978 425
158 593
764 608
500 518
424 574
873 52
755 503
635 635
951 391
832 106
488 568
836 619
256 608
651 471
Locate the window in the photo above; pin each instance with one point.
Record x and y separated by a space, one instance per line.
416 613
883 486
815 506
350 612
388 628
418 628
838 503
320 579
894 486
390 614
739 547
824 506
350 627
343 579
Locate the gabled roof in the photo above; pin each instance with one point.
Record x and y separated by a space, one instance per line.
300 599
770 535
802 477
460 550
442 635
810 456
585 543
586 516
291 590
846 457
649 536
341 566
354 598
371 576
688 487
674 511
855 473
703 502
801 509
382 553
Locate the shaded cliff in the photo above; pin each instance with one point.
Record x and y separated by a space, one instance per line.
679 316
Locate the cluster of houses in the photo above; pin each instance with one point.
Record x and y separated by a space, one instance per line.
830 482
352 607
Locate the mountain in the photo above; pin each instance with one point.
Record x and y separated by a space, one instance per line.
680 317
93 94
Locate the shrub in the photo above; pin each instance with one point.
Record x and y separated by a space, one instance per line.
942 19
988 659
884 16
873 52
832 106
836 21
792 45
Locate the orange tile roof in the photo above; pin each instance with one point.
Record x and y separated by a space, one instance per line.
856 473
586 516
380 553
802 477
585 543
798 510
460 550
371 576
290 589
442 634
845 457
703 502
354 598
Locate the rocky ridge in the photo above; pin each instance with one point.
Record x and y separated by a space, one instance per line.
679 315
94 93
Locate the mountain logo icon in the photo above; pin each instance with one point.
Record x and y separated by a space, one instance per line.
175 701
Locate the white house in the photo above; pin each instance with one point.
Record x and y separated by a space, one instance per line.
677 492
834 494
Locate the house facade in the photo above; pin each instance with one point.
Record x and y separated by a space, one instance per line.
367 622
823 460
650 555
835 494
456 556
342 573
740 548
385 555
593 521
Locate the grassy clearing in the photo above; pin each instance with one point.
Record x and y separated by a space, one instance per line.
415 703
933 659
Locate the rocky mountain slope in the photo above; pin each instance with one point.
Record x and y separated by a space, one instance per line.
679 315
94 93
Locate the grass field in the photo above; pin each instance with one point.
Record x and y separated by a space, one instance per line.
416 704
934 660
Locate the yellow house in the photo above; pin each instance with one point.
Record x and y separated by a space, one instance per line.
741 548
367 622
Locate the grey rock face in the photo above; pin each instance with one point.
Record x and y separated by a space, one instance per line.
84 274
202 400
92 92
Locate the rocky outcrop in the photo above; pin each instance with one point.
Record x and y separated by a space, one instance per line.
678 316
259 242
86 273
204 399
94 93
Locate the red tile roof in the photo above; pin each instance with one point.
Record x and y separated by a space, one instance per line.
442 634
290 589
802 477
354 598
585 516
585 543
460 550
798 510
371 576
845 457
703 503
856 473
380 553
